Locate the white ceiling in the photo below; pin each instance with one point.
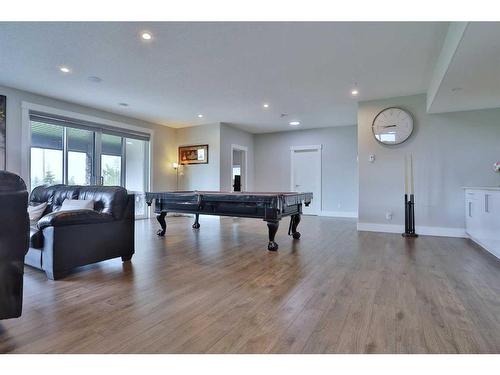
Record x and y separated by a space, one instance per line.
225 71
472 78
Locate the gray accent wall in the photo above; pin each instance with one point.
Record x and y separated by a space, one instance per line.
163 149
232 136
450 151
339 164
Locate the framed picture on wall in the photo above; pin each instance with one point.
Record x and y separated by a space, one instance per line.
3 131
196 154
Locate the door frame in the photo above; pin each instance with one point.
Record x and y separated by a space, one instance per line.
244 174
318 149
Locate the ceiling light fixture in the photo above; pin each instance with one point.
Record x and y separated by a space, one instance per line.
456 89
265 105
64 69
146 35
200 116
294 123
355 91
123 104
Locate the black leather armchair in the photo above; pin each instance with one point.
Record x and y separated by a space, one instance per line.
63 240
14 229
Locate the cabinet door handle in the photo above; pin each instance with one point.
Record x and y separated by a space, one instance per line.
487 203
470 209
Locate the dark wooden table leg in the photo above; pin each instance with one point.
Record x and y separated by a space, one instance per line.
273 228
196 224
295 222
163 223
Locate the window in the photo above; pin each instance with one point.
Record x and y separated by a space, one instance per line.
80 156
69 152
136 177
46 154
111 160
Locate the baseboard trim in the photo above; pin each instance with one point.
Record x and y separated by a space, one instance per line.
423 230
351 214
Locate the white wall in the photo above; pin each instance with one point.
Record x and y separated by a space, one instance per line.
163 148
450 151
232 136
201 176
339 165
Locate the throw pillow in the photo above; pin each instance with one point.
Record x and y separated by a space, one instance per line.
77 204
36 212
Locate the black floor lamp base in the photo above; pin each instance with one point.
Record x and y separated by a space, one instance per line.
410 235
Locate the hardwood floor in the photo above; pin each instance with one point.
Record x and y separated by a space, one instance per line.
218 290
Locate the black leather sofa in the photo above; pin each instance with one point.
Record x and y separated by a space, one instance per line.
14 228
62 240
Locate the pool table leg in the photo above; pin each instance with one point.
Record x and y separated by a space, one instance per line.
196 224
163 223
273 228
294 222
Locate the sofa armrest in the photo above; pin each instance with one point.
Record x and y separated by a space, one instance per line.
63 218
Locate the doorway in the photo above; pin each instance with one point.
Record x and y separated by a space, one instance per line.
238 168
306 174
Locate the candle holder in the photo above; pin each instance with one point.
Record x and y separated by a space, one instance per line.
410 216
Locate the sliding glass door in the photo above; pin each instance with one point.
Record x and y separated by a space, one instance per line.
137 172
80 160
111 160
84 156
46 154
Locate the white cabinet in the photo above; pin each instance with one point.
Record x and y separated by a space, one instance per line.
482 217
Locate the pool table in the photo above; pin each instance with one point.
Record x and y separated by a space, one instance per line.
270 207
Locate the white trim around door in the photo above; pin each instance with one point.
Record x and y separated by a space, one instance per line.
244 149
317 148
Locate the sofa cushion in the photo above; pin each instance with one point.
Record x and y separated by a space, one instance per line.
44 194
110 200
64 192
36 237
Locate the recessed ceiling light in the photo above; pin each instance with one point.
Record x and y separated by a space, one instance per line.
265 105
200 116
355 91
64 69
95 79
294 123
123 104
146 35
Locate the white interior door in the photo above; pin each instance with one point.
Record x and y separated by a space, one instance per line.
306 175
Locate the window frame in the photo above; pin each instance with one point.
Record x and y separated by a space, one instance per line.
27 108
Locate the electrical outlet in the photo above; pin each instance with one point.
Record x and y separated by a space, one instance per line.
371 158
388 215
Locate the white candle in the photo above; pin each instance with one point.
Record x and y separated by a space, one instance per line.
412 185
